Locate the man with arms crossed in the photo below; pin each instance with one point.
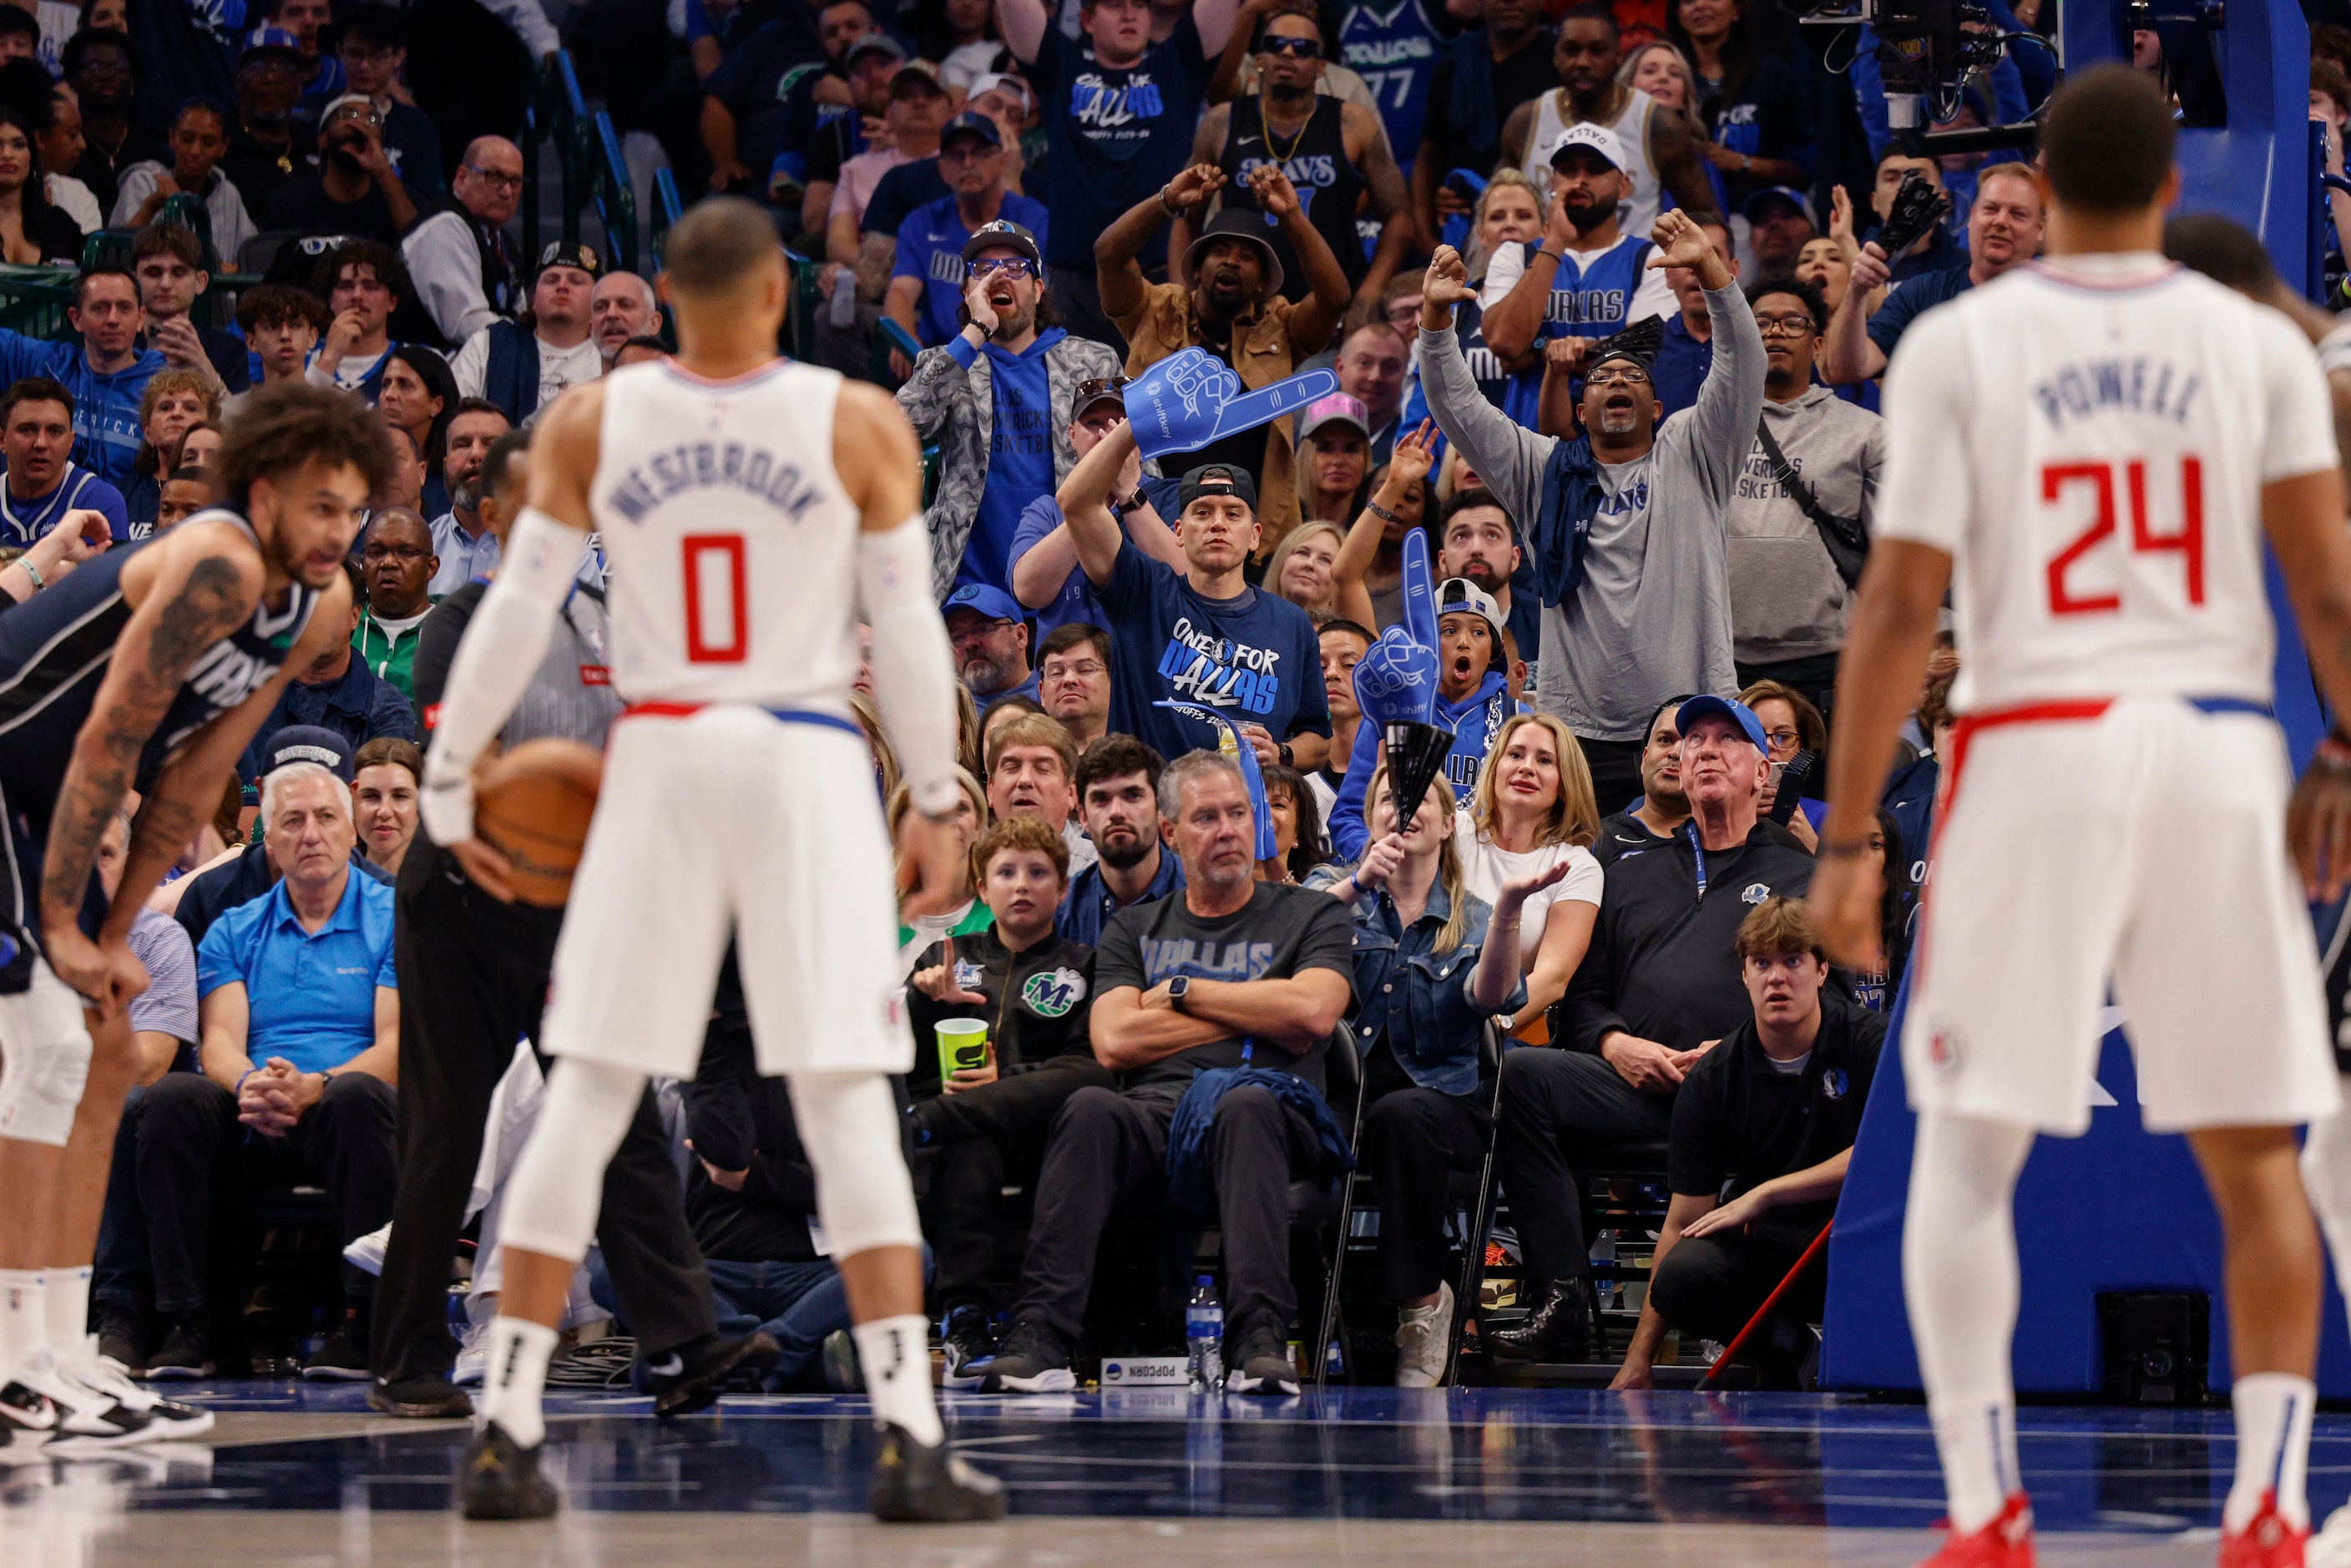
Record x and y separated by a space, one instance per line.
734 638
2133 657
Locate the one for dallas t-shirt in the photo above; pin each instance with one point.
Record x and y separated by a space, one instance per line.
1118 135
1251 659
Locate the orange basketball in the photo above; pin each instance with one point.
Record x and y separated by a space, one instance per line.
534 805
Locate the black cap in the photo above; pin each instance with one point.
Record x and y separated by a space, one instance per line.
1005 234
1216 479
1238 223
307 743
561 255
1639 343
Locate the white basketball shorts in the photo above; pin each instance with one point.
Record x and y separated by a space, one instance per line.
724 820
2140 841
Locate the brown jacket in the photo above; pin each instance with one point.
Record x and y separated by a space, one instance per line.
1263 353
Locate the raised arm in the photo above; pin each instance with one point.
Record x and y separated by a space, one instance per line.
1730 399
1415 453
1116 272
1085 498
1023 22
1679 167
1512 323
1847 355
1215 19
1226 83
1508 457
1390 201
1207 146
1315 318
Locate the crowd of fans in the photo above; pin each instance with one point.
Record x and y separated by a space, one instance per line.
1655 290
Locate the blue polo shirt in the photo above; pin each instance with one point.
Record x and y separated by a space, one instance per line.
930 246
1088 905
311 996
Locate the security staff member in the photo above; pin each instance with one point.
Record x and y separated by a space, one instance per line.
472 979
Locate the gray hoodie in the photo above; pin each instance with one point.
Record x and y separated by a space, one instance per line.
1652 619
1787 601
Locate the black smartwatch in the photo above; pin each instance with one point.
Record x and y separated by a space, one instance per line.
1177 988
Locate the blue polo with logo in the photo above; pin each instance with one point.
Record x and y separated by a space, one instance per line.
930 246
310 995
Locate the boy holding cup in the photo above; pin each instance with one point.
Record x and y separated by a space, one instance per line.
985 1097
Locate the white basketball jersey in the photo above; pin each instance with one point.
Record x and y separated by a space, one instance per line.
2089 439
1637 213
731 547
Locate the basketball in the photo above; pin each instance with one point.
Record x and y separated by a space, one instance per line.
534 805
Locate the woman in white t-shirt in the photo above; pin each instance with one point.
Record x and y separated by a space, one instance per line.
1534 808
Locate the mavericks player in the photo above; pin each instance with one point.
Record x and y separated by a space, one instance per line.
2094 444
750 507
150 669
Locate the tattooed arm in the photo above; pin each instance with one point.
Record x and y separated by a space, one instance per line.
197 588
188 789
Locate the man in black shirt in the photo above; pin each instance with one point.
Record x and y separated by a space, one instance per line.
1658 988
98 65
1235 973
1763 1130
267 145
1035 992
1652 820
1486 73
352 191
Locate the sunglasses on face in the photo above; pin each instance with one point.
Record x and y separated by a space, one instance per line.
1010 266
1297 48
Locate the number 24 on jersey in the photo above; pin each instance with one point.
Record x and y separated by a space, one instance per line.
2128 483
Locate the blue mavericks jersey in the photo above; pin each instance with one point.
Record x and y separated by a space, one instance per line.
1394 48
1589 299
54 652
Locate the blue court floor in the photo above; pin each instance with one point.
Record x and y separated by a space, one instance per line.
1136 1476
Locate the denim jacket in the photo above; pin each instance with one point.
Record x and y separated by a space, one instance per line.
1417 997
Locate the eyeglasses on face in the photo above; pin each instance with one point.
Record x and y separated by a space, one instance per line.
494 178
1785 326
1085 671
1010 266
1623 377
1297 48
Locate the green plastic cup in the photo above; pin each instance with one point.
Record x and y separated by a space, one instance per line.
963 1043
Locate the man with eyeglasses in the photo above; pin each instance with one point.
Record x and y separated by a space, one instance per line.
1788 600
995 398
462 259
1120 111
1627 521
398 563
373 46
1073 681
1046 577
353 191
1332 151
927 279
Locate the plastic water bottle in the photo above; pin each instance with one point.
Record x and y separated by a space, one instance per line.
845 297
1204 1336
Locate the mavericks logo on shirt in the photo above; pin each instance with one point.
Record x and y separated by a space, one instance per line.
1053 995
1218 672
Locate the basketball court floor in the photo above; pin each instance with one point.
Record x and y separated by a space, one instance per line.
1142 1477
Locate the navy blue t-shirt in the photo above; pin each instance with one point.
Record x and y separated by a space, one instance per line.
1912 300
899 191
1680 368
930 248
1117 135
1253 658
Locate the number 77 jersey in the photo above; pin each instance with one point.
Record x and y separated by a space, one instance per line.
2088 439
732 546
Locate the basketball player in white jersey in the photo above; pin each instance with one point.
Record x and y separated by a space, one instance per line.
1661 154
754 511
2095 446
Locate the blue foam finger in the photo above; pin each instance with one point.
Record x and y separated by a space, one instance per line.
1420 590
1395 681
1267 404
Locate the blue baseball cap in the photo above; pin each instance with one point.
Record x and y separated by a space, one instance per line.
970 122
267 37
1737 712
982 600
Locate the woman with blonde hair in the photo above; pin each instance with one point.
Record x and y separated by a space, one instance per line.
885 758
1534 809
1300 571
1432 960
968 914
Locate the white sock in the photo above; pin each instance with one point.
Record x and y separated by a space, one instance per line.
2273 1411
24 1317
514 1377
68 1311
1976 1439
895 1353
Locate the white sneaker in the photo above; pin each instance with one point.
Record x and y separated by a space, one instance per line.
84 1419
2331 1546
472 1356
169 1418
1422 1338
366 1254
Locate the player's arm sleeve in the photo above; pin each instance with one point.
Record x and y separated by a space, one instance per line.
1929 489
2302 411
914 669
494 663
